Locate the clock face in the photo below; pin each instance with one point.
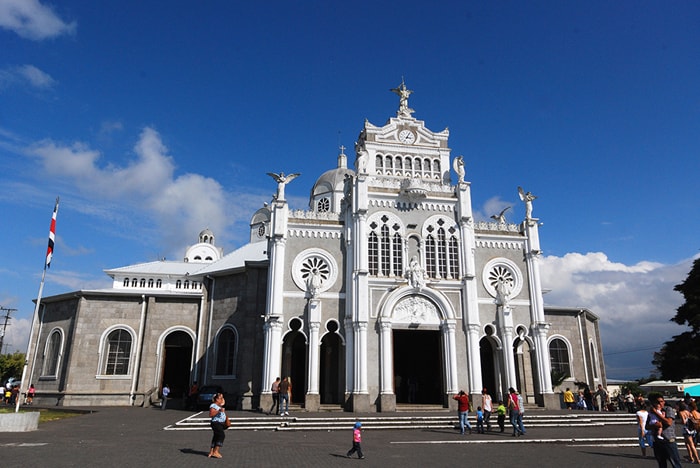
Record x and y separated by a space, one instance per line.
261 230
407 136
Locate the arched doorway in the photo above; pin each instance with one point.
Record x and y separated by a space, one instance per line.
294 360
488 367
332 370
418 367
177 363
524 370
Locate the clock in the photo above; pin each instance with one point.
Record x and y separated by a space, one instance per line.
407 136
261 230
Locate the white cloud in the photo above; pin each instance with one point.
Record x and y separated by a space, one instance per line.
493 206
634 302
176 205
32 20
26 75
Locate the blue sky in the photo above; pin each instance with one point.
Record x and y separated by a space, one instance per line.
152 123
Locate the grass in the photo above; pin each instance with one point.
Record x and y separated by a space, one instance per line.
45 415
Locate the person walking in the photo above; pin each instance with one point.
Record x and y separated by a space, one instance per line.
487 406
569 398
31 393
217 413
516 416
463 411
284 397
165 392
501 416
661 422
356 441
690 430
643 434
275 396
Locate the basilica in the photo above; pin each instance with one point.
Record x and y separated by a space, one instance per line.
384 293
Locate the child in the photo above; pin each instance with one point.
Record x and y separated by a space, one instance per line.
501 414
479 420
356 440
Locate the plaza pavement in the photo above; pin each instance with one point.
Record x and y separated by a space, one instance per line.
136 437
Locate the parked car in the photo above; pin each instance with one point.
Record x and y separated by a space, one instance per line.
206 393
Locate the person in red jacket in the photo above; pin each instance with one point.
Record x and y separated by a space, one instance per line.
463 410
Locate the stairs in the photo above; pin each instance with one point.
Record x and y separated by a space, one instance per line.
376 421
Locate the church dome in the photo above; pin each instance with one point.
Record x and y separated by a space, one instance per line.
333 180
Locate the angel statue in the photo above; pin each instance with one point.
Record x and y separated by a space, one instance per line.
458 166
501 217
282 180
526 197
403 94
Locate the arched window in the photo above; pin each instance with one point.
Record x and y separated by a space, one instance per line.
142 283
397 259
226 345
559 356
385 251
117 353
373 253
187 284
430 257
385 248
441 249
126 282
594 362
52 354
442 253
380 163
159 283
150 282
134 282
453 256
178 284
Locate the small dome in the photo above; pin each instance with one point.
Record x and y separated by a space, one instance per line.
331 181
206 236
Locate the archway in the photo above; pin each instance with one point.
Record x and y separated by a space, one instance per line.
294 364
177 363
488 367
332 370
418 367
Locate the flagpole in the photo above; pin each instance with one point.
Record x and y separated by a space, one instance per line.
47 264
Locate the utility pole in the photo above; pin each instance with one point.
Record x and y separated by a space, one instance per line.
6 316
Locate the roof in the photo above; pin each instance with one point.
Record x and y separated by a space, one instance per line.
159 268
253 252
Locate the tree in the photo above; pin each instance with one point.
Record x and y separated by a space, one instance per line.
11 365
679 358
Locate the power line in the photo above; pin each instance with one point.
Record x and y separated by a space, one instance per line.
635 350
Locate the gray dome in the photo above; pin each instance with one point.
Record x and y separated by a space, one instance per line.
331 181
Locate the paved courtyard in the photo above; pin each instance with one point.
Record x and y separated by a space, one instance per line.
136 437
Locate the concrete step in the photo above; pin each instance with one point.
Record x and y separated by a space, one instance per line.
318 422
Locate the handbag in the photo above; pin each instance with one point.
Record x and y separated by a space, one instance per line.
227 421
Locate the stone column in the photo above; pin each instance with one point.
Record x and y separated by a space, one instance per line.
387 393
450 352
272 358
313 400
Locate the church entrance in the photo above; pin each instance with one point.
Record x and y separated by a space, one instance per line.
488 367
332 370
177 363
418 367
294 363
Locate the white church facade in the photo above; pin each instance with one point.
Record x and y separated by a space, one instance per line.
384 292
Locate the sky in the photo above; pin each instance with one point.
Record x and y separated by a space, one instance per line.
152 123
